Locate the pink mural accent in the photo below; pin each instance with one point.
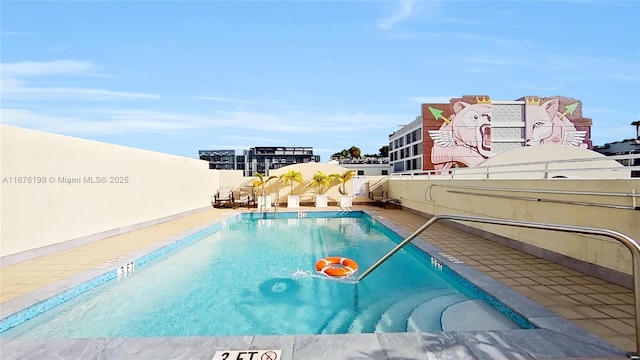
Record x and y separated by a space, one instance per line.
545 124
466 139
458 134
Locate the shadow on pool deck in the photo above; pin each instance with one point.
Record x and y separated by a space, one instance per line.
602 308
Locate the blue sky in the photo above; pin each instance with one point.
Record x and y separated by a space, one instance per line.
181 76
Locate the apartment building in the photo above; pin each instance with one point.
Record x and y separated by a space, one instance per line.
258 159
219 159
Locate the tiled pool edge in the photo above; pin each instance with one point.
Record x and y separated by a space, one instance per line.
23 308
554 339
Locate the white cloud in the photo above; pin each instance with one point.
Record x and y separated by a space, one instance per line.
15 87
404 11
224 99
17 90
145 121
97 123
621 77
33 68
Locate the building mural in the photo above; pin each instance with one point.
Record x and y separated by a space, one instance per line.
459 134
545 124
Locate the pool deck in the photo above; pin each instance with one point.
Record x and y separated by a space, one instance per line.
600 307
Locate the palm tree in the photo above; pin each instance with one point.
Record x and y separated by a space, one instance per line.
262 180
343 178
322 181
291 177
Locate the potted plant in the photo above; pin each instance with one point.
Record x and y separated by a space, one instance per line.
289 178
264 201
322 181
345 198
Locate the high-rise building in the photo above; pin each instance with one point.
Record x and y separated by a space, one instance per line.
261 159
219 159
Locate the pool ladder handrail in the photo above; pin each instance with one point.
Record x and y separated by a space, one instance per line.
627 241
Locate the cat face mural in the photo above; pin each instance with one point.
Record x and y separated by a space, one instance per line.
546 125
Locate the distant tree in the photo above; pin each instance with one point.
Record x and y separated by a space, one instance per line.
384 151
354 152
344 153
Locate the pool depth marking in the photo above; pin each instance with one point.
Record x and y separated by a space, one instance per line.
451 258
109 262
247 355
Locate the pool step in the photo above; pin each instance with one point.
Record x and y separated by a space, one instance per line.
394 318
365 322
427 316
339 322
382 314
472 315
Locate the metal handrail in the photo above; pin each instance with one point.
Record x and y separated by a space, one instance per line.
627 241
633 195
488 170
564 192
541 200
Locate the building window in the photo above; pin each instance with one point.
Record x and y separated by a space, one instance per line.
384 172
360 172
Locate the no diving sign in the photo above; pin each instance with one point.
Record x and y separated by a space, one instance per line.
247 355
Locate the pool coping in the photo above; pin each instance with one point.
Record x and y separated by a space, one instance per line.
555 337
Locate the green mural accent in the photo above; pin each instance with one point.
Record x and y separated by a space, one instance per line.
570 109
437 113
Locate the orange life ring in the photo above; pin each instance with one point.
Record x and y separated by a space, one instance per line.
328 266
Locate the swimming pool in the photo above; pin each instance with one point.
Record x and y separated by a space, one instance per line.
254 275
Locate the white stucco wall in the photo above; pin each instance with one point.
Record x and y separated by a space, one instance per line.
56 188
475 197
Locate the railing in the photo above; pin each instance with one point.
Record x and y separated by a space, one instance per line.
378 183
276 205
627 241
632 195
536 169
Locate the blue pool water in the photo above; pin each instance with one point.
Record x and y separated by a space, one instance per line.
256 277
